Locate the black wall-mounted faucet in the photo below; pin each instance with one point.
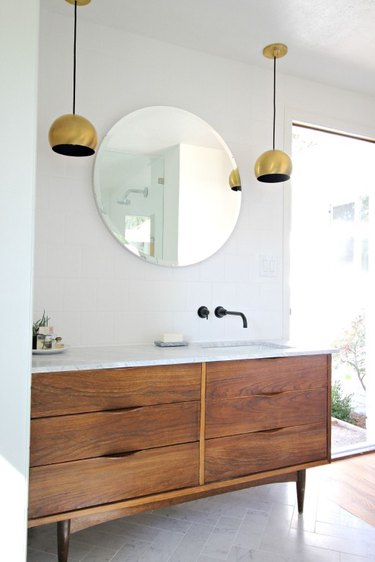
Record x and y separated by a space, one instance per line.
203 312
220 312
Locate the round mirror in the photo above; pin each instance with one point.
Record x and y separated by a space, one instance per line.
167 186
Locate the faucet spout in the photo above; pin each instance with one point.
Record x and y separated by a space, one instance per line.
220 312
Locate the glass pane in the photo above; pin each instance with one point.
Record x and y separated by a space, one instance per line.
330 273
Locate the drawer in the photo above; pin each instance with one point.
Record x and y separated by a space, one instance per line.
230 379
74 437
262 412
74 485
230 457
55 394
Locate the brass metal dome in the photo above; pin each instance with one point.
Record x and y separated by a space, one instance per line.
79 2
273 166
235 180
73 135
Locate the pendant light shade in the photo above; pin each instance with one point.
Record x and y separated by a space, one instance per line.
235 180
273 166
72 134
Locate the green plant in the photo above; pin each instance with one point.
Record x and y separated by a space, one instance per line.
341 404
352 348
43 321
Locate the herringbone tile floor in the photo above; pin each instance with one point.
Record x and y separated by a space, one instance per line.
255 525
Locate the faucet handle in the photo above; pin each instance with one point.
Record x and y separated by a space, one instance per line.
220 312
203 312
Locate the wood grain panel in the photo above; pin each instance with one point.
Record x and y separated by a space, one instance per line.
229 457
231 379
257 413
74 437
75 485
163 499
55 394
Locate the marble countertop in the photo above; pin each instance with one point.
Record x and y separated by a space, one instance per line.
109 357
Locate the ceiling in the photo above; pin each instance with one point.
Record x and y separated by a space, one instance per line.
330 41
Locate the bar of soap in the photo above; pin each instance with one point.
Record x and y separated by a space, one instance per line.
171 338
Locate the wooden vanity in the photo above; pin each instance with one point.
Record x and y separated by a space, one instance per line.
106 443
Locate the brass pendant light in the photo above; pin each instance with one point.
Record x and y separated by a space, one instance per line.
72 134
274 165
235 180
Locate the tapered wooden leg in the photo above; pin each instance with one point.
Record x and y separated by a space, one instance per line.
301 483
63 536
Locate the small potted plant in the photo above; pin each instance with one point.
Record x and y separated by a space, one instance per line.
40 326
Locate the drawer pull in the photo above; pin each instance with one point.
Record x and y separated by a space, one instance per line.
122 410
120 455
276 430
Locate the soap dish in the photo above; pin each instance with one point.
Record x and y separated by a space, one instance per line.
171 343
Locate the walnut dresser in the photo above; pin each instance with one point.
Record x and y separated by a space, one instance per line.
120 430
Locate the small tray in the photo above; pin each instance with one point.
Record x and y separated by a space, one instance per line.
51 351
171 343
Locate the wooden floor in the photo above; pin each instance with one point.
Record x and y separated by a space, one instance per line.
351 484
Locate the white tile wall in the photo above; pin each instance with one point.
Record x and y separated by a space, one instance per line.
97 292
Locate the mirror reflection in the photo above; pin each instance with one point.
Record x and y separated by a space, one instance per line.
162 186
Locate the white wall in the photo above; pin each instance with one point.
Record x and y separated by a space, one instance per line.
204 199
97 292
18 70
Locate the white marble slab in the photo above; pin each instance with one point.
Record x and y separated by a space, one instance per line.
109 357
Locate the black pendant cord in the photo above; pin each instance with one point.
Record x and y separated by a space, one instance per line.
274 102
74 57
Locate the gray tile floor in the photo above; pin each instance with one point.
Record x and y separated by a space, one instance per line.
258 525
